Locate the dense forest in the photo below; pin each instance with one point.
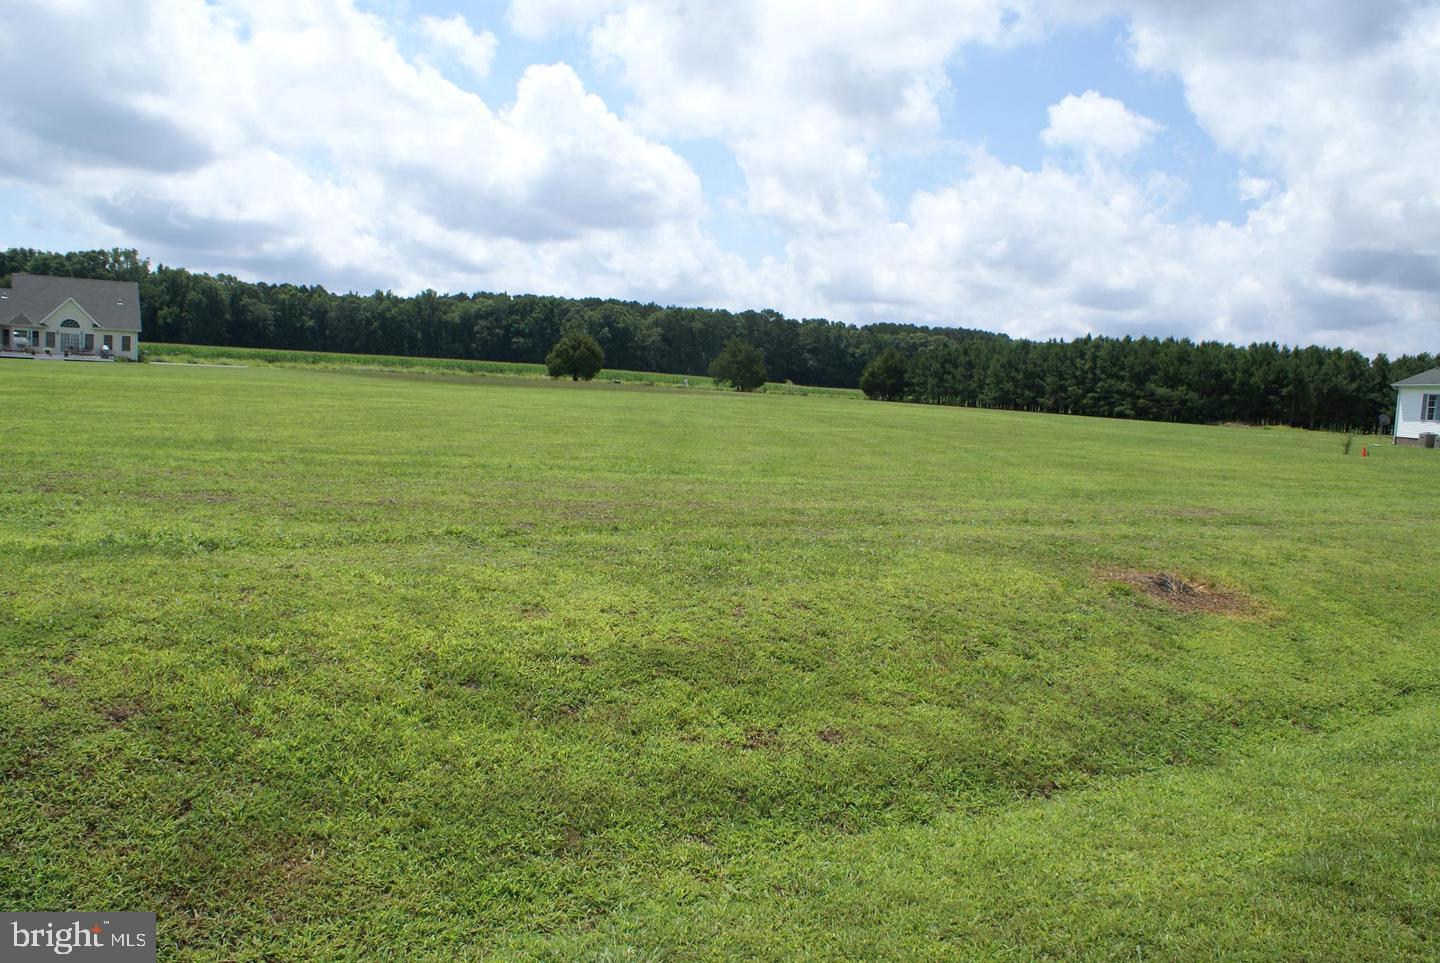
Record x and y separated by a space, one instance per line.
1163 379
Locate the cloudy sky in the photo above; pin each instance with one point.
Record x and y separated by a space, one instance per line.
1047 168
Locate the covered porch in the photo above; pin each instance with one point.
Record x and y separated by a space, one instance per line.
70 342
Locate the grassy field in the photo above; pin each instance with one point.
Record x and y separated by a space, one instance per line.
337 664
204 354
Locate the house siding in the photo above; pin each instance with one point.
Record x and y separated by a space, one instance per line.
1409 422
49 337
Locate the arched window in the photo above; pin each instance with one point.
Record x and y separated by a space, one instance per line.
69 323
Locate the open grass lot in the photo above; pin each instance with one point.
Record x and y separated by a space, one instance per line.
335 665
334 360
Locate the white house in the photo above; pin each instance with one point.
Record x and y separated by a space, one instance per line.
43 316
1417 409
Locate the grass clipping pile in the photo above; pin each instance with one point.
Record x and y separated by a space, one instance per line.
1180 593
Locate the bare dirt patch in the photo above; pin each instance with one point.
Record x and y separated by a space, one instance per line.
573 843
759 739
831 735
1180 592
120 713
1043 788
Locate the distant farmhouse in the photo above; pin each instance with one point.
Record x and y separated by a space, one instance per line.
1417 408
75 318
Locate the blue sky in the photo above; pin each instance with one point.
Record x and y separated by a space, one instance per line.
1001 97
1046 168
998 98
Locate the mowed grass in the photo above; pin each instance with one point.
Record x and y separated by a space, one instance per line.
327 664
332 360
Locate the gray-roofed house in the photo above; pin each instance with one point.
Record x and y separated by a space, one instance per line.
1417 407
50 317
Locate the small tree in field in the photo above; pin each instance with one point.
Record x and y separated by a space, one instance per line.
577 355
884 377
740 364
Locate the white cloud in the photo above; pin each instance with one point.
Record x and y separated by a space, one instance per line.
1098 125
806 99
1338 100
295 139
1342 102
539 19
453 36
1252 188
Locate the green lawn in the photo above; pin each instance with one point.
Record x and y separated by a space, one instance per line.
342 664
205 354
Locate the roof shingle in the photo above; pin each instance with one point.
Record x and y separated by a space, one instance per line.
1424 379
113 304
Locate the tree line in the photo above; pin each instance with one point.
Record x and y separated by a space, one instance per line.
1153 378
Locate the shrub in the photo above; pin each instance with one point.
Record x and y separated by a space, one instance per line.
740 364
577 355
884 377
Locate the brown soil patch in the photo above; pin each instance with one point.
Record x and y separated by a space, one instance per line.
758 739
1042 789
832 736
573 844
1181 593
119 714
288 866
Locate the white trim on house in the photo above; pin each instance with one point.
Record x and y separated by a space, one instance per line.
69 308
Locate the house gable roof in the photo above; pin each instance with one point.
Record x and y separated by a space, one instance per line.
68 308
114 305
1425 379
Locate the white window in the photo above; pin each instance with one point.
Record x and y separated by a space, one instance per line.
1430 407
